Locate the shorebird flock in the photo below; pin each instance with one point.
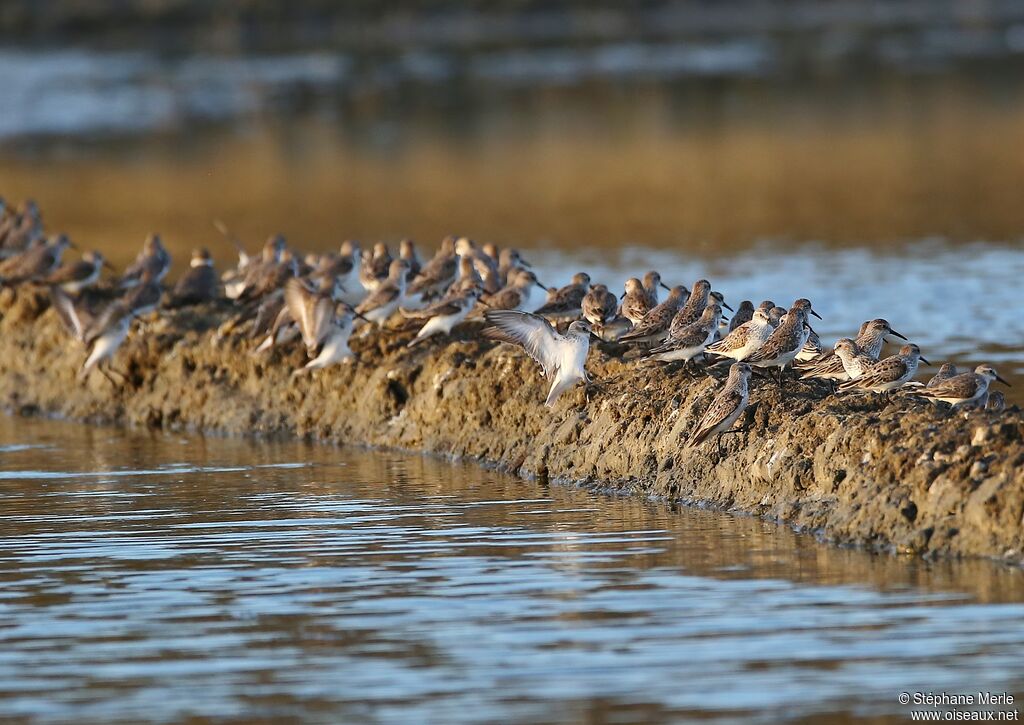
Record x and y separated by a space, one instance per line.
281 297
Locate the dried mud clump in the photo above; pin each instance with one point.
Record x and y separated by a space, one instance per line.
897 475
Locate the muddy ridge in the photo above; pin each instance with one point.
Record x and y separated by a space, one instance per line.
901 475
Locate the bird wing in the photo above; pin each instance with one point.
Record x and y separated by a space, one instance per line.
734 340
74 319
884 371
99 324
303 309
69 273
724 405
963 385
567 298
383 295
530 332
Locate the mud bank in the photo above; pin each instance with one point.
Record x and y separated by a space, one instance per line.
899 475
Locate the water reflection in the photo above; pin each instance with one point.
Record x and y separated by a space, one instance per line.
276 580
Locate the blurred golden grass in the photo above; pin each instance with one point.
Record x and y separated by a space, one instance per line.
949 169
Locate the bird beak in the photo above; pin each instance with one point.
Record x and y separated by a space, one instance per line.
896 334
726 306
924 360
811 328
542 286
724 318
664 286
815 314
361 316
1000 379
525 263
622 296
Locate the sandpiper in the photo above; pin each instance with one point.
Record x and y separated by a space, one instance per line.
375 267
996 402
726 408
73 278
565 304
562 357
438 274
599 305
145 296
344 266
854 362
775 315
746 339
199 284
686 342
636 303
811 348
509 262
442 316
870 338
389 295
695 304
102 333
407 251
744 314
325 325
786 341
153 258
35 263
890 373
468 278
652 281
515 295
274 307
965 388
947 371
19 229
654 326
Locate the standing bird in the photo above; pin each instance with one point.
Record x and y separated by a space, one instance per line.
599 306
199 284
652 281
947 371
376 267
636 303
145 296
73 278
688 341
996 402
695 304
965 388
509 262
153 258
102 334
562 357
438 274
655 324
515 295
855 363
324 331
787 340
746 339
565 303
407 251
744 313
870 339
889 374
726 408
443 316
388 297
34 264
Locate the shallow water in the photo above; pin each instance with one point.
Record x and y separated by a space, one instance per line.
152 576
